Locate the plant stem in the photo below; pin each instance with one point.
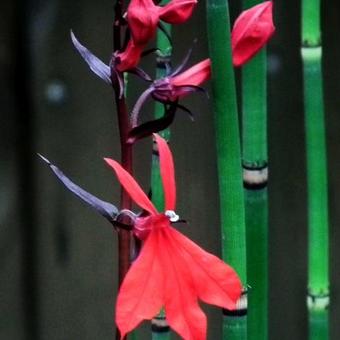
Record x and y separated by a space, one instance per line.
160 328
126 160
228 158
318 266
255 177
124 236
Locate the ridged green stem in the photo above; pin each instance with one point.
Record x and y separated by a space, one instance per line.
160 330
318 259
228 154
255 161
318 325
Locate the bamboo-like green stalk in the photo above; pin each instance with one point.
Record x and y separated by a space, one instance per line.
318 266
228 158
160 328
255 177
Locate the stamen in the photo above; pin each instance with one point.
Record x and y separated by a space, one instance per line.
173 217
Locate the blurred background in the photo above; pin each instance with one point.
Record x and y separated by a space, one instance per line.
57 257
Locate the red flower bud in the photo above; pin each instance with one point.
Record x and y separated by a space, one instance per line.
252 29
177 11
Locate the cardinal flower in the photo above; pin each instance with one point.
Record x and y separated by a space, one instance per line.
171 271
143 17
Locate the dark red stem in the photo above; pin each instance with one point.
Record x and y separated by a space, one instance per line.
124 236
126 160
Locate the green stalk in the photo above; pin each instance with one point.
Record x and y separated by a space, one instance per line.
160 328
228 158
318 266
255 177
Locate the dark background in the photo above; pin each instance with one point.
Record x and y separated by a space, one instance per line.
57 257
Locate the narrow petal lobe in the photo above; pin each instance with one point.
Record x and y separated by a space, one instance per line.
167 172
131 187
141 294
183 313
215 282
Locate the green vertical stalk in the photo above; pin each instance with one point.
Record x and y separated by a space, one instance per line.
160 328
318 266
255 177
228 158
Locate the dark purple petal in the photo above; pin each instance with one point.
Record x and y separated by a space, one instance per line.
185 109
140 73
184 62
108 210
153 126
139 103
96 65
193 88
149 51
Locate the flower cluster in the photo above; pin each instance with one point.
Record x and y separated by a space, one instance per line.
159 277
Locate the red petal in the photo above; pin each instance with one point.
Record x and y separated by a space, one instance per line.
131 186
177 11
142 17
167 172
252 29
195 75
130 57
141 294
183 313
215 282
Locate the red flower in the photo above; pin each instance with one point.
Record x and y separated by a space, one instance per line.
252 29
143 17
183 83
171 271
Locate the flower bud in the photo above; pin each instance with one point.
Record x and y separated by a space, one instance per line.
252 29
177 11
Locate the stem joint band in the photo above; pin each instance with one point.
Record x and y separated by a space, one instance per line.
255 177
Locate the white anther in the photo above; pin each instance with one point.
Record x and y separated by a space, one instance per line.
173 217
